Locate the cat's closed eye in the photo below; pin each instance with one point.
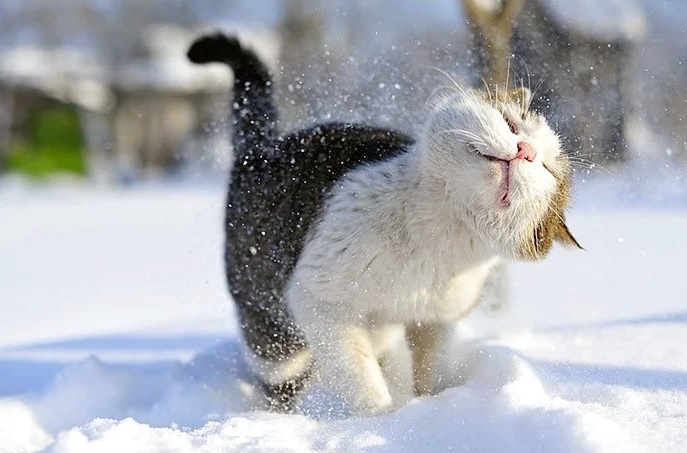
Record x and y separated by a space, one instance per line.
514 128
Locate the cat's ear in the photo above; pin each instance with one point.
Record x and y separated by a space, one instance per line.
521 96
565 237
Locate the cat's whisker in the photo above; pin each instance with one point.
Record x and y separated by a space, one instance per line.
525 101
588 168
529 82
585 154
467 142
537 87
457 86
486 88
555 213
432 98
588 164
438 90
463 132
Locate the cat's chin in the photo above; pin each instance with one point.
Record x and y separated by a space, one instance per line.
511 181
506 224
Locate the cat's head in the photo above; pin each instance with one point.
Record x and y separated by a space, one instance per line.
502 167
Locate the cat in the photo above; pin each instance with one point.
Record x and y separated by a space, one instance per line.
342 238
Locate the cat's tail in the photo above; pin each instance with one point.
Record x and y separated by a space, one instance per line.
254 114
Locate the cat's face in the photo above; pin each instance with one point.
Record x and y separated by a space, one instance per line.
503 169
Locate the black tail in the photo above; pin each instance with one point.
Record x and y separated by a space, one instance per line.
254 115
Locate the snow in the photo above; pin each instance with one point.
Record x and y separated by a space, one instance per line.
118 335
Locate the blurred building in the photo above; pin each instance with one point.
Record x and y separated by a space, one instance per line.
118 71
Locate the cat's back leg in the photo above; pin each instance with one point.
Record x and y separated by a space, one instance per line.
276 353
283 381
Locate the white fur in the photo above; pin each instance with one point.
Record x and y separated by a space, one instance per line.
412 240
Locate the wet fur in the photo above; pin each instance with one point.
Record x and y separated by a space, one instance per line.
342 239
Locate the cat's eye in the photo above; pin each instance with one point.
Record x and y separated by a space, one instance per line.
511 124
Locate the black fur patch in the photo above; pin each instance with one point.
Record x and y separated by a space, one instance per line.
283 397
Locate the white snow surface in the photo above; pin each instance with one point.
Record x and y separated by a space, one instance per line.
117 335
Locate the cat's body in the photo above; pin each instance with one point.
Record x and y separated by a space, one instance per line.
342 237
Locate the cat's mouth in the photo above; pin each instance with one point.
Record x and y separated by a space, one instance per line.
476 150
503 198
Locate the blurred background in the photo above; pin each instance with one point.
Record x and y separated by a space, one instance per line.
100 89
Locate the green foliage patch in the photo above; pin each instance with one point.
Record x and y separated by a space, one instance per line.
53 143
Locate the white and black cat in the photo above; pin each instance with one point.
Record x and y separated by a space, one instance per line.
343 238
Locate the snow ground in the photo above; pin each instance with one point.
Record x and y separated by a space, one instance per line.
116 334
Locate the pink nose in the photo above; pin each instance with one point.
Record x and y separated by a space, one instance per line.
525 151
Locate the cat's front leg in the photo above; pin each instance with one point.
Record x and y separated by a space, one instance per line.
348 366
426 342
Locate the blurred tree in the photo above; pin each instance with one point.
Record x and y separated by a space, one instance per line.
53 143
6 101
580 60
492 24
